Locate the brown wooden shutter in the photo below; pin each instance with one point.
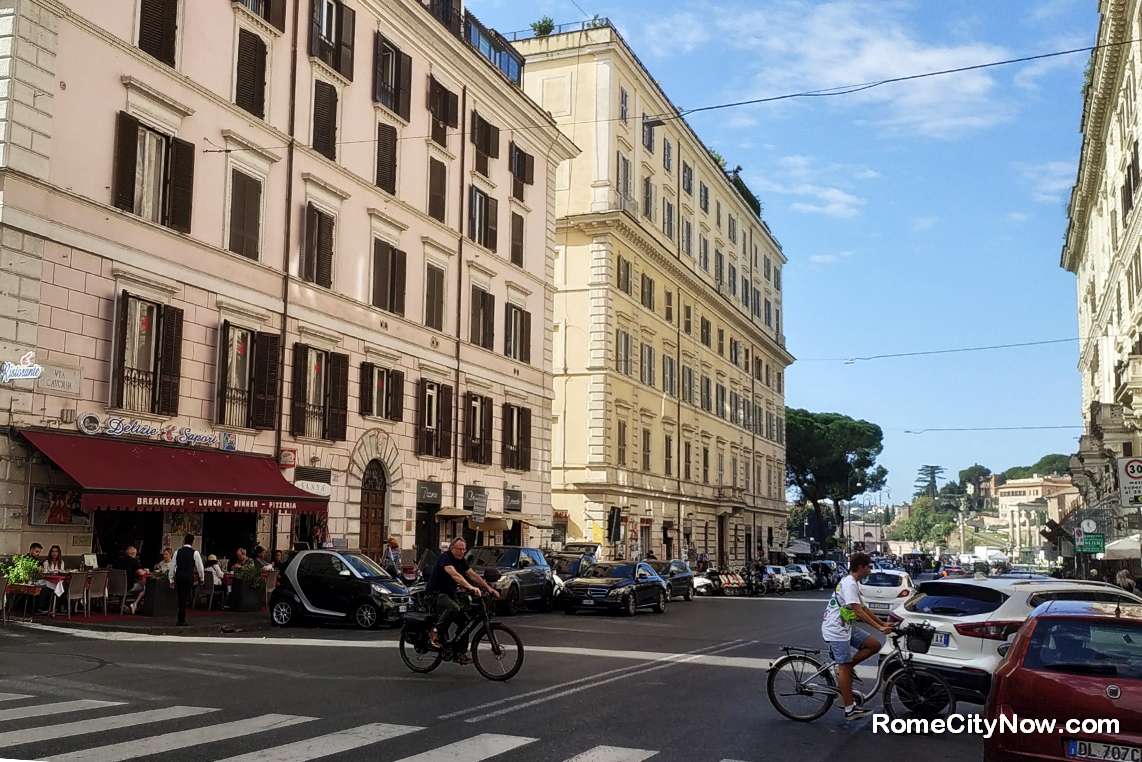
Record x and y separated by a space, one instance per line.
476 323
325 119
325 252
308 266
397 275
492 141
492 223
119 350
387 158
508 308
382 272
434 299
223 371
437 182
505 435
158 31
470 443
315 27
378 56
394 395
276 14
126 161
250 74
337 397
298 391
169 362
524 439
180 190
525 346
404 86
486 431
489 314
452 108
346 32
517 240
245 213
529 169
264 394
422 434
367 382
444 422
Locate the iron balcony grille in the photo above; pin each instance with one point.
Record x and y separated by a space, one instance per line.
236 408
314 421
138 389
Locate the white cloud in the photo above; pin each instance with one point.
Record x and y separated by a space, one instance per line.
1050 181
1018 217
924 223
680 32
802 176
828 259
868 174
832 201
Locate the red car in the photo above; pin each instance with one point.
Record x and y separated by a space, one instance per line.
1078 663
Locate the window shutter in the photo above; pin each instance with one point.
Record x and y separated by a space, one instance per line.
126 159
517 239
529 169
264 396
404 86
169 362
397 274
437 179
325 252
298 391
180 192
120 350
476 323
307 266
276 14
367 383
151 28
423 440
470 442
347 20
337 397
315 27
250 74
492 141
382 272
525 346
508 307
486 430
492 222
433 298
223 371
505 435
387 158
325 120
394 393
245 208
444 425
489 321
378 82
525 439
170 31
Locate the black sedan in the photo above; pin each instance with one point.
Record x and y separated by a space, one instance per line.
616 586
567 566
336 586
679 578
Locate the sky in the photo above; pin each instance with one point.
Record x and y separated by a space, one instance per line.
918 216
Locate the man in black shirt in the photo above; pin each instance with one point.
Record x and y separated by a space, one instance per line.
451 573
136 577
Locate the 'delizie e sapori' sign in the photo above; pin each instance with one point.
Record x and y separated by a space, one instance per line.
115 426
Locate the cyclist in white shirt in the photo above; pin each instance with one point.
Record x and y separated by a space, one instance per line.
846 607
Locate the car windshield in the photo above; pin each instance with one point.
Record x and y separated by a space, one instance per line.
1081 593
658 566
505 558
364 566
602 571
951 599
1110 649
881 579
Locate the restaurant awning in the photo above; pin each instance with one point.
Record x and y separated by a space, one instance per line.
453 513
122 474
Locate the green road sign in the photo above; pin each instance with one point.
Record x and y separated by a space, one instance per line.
1094 543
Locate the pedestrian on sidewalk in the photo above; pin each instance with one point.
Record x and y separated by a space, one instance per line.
185 570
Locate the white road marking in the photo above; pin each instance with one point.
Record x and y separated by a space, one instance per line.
612 754
324 746
97 725
472 750
13 696
182 739
40 710
767 599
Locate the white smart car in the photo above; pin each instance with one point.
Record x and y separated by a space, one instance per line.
884 591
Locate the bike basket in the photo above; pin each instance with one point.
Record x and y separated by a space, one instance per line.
919 637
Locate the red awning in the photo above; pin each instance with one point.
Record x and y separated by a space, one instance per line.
122 474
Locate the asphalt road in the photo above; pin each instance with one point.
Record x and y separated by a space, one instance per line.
593 688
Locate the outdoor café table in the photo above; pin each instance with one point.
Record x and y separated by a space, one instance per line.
30 593
57 583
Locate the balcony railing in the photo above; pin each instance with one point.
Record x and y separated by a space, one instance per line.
138 389
628 204
236 407
315 421
577 26
257 6
447 12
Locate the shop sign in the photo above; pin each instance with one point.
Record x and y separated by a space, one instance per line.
513 500
476 500
287 458
186 436
229 441
428 492
560 515
61 380
26 369
184 504
646 522
314 488
114 426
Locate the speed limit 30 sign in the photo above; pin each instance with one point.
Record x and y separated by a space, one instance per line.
1130 480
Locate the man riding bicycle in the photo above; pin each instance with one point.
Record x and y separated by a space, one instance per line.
451 573
845 608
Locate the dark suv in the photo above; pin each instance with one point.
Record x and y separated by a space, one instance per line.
338 586
525 577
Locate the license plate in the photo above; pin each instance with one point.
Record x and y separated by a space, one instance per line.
588 602
880 605
1109 751
402 609
940 639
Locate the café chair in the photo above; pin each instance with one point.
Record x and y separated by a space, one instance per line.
97 590
117 587
271 583
77 592
208 590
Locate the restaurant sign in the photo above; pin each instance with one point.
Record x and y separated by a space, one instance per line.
513 501
115 426
476 500
428 492
182 503
26 369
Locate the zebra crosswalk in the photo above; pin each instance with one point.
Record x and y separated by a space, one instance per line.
153 736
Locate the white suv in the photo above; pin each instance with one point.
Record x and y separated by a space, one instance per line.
974 618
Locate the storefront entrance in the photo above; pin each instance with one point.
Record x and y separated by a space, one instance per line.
513 536
115 530
374 491
224 533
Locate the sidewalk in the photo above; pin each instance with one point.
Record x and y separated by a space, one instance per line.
200 623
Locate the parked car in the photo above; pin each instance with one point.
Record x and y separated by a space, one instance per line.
974 618
782 578
800 577
827 571
583 548
885 590
679 578
525 577
1085 656
953 572
337 586
616 586
567 566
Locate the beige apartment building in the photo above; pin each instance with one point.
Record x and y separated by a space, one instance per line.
276 272
669 349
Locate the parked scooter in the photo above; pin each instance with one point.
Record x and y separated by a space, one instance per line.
702 584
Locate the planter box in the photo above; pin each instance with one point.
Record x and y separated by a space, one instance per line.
246 597
160 599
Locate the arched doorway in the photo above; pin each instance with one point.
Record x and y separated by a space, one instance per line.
374 491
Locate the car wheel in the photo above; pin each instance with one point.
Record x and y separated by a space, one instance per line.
511 601
630 608
669 591
689 594
366 616
660 607
283 614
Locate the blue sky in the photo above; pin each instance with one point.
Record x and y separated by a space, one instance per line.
917 216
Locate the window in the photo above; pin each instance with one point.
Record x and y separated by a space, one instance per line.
777 278
444 106
392 77
332 35
720 401
434 298
482 327
777 321
622 443
622 352
649 193
273 11
719 268
250 74
388 277
704 253
733 280
646 367
387 158
780 430
154 174
769 313
668 455
705 465
327 23
623 186
745 292
669 306
247 378
668 218
245 214
437 189
722 341
687 455
735 408
517 438
320 396
756 303
686 321
158 32
733 229
669 381
721 467
687 178
735 351
148 357
704 331
317 257
707 396
688 385
478 429
517 333
647 133
687 238
483 214
624 105
646 449
434 419
704 197
517 240
667 155
381 392
768 269
646 292
780 382
522 167
325 119
486 139
494 48
624 274
734 471
718 213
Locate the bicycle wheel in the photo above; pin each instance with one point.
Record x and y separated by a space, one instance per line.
800 688
918 694
497 652
420 659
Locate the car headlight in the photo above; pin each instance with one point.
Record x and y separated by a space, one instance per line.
618 591
381 590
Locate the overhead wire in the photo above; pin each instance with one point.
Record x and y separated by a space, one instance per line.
930 352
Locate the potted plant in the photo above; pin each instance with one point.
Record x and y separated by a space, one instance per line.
23 570
248 590
543 27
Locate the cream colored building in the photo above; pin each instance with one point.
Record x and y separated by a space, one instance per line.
669 349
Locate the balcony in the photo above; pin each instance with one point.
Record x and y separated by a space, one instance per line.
577 26
236 407
315 421
626 203
447 12
493 46
138 390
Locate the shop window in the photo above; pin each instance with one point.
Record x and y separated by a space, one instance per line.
148 357
247 377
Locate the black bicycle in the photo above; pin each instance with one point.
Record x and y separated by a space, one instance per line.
497 652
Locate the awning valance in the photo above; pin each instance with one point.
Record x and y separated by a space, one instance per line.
122 474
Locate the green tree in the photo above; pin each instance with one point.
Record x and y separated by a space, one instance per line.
926 480
543 27
975 475
829 456
1047 465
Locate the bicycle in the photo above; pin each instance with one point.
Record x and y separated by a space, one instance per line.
803 688
497 652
